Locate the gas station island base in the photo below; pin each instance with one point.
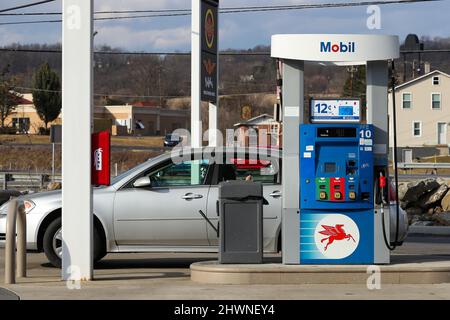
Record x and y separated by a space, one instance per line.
428 272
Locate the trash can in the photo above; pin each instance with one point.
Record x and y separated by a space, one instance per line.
240 210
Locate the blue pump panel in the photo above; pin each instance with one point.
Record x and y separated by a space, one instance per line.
336 194
336 166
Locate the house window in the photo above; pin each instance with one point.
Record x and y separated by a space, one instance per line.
435 100
417 128
435 81
406 100
22 124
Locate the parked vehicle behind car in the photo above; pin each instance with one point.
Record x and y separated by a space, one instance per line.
171 140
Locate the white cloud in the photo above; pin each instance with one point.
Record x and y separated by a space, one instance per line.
8 37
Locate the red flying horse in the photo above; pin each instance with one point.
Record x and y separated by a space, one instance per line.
334 233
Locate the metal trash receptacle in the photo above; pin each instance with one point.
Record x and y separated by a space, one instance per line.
241 222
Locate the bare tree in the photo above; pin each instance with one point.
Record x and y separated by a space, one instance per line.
9 99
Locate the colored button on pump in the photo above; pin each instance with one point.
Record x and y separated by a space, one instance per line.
322 195
352 195
337 195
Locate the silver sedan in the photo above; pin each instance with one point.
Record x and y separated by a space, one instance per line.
154 207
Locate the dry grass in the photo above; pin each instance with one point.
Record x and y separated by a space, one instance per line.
115 141
138 141
32 159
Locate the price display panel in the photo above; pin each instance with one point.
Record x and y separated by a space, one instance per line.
337 110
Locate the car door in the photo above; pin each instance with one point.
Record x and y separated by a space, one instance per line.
167 212
268 174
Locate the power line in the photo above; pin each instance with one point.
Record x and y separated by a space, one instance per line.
58 51
232 9
142 96
224 53
26 5
186 12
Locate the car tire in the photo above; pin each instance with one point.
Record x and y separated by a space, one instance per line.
52 242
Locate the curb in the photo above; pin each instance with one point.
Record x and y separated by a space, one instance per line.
434 272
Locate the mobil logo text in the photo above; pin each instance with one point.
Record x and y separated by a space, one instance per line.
341 47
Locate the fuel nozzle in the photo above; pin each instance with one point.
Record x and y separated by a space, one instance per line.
382 186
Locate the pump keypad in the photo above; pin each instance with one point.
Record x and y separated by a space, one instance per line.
336 189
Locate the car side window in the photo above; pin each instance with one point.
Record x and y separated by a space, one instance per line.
263 171
187 173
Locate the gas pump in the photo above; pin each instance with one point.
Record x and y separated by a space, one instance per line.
336 185
335 162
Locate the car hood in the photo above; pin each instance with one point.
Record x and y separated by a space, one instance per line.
52 196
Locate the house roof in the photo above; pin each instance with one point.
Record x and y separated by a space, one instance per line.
24 101
24 98
429 74
256 120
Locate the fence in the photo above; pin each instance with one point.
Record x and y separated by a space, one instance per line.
25 180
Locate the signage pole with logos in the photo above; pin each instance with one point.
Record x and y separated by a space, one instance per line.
196 121
77 219
204 67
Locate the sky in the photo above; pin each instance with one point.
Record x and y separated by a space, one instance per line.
237 31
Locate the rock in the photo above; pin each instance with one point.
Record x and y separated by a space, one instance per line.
414 211
445 202
418 188
438 210
403 205
54 186
442 219
414 218
432 197
402 188
425 223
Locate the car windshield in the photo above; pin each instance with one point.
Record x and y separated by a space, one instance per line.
172 137
128 172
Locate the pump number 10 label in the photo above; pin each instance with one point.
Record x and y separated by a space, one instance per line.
335 110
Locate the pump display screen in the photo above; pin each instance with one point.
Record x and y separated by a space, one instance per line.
330 167
346 110
332 132
335 110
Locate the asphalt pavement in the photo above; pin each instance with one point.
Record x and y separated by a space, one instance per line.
167 276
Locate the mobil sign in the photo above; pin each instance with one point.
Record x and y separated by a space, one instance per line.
100 159
335 48
343 47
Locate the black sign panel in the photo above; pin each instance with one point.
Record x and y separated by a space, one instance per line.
209 50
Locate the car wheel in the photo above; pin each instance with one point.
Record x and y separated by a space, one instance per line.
53 243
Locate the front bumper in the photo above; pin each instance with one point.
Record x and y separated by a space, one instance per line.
32 221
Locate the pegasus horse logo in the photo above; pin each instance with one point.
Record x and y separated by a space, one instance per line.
334 233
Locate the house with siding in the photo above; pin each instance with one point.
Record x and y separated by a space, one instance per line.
423 113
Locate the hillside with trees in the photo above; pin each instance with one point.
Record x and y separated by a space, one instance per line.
245 79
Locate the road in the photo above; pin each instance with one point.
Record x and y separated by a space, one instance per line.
166 276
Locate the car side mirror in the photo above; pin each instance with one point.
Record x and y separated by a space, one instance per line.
142 182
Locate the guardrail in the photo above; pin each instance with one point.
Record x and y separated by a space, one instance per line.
423 165
20 180
16 213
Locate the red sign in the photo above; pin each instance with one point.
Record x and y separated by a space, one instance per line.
334 233
100 164
337 189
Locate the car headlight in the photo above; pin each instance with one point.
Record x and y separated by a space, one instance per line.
29 205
